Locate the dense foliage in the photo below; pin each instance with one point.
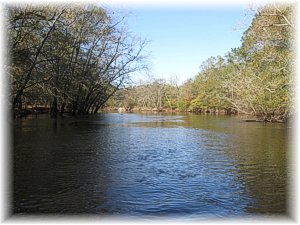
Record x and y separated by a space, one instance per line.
68 57
255 79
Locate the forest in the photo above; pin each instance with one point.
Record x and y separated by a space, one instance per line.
67 58
79 60
255 79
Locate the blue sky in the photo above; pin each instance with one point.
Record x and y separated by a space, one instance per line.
181 39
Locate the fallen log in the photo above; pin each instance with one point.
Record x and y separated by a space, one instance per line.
254 120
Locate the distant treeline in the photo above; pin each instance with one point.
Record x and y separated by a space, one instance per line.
68 57
255 79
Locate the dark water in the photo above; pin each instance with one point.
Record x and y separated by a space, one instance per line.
150 165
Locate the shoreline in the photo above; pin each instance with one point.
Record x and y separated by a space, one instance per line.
35 112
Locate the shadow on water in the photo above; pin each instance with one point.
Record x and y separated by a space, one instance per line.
150 165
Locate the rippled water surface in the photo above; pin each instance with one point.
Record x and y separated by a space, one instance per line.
150 165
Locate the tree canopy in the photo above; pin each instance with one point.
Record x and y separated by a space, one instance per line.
78 59
72 57
255 79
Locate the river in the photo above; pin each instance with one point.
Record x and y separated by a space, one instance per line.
198 166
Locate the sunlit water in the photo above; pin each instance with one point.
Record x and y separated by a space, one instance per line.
150 165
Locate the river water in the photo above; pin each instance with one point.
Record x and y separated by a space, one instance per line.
198 166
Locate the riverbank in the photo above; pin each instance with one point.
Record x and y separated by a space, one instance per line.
167 110
35 111
244 117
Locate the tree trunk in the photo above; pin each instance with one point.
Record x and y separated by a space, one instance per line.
17 106
74 108
97 107
80 110
53 107
62 109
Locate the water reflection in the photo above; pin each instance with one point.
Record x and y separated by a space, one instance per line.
134 164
